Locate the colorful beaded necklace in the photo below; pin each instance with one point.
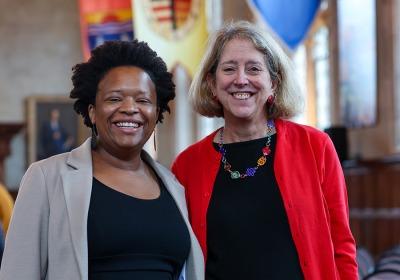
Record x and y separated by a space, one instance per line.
250 171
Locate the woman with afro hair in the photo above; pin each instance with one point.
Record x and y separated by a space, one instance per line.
106 210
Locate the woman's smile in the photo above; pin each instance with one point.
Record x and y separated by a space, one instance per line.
128 126
241 95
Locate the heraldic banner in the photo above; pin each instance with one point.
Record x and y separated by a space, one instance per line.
104 20
175 29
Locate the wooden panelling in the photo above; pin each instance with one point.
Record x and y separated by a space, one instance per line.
374 200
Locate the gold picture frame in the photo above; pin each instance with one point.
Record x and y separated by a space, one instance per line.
45 139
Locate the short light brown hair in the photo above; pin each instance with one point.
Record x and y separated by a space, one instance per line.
288 99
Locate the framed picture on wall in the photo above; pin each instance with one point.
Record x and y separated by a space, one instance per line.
53 126
357 62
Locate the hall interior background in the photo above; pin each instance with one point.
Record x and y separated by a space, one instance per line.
41 42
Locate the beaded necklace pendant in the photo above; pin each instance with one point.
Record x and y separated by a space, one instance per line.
250 171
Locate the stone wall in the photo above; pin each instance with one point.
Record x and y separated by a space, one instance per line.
40 42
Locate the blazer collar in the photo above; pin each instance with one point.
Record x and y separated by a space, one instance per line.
77 185
195 262
81 156
171 185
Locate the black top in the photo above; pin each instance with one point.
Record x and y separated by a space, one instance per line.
248 235
131 238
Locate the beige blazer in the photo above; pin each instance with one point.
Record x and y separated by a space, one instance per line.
47 237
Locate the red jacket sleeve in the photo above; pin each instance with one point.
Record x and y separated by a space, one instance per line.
335 193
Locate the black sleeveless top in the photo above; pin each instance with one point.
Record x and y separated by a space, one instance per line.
131 238
248 234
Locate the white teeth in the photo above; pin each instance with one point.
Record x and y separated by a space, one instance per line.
127 124
241 95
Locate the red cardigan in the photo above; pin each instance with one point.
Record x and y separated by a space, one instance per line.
313 190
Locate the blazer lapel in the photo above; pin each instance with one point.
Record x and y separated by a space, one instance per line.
77 185
195 263
177 192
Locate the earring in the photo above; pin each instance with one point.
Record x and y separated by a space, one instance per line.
213 95
271 100
93 141
154 140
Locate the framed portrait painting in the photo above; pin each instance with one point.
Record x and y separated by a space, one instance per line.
357 62
53 127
